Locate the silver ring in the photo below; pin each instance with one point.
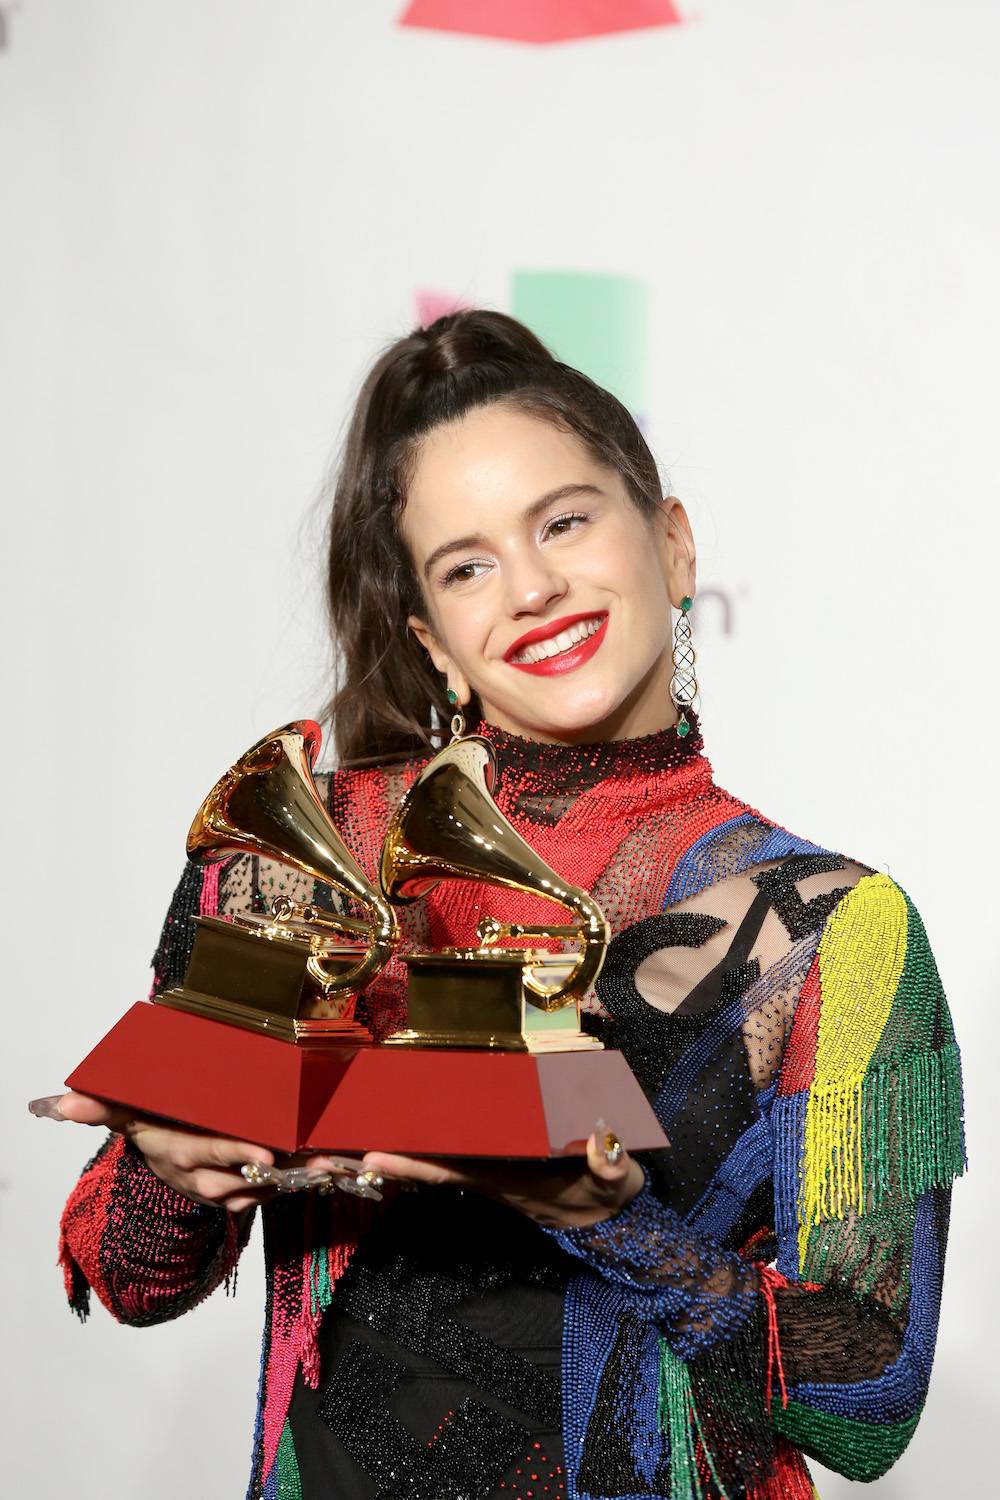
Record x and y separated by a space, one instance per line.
251 1170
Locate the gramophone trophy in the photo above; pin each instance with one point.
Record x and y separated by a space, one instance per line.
262 1029
492 1061
289 974
513 999
260 1042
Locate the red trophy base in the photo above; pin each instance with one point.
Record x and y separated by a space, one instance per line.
351 1099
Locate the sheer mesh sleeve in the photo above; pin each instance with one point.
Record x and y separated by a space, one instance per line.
693 1290
146 1250
858 1138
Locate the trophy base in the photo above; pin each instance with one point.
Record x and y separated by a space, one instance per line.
498 1042
478 998
417 1101
325 1030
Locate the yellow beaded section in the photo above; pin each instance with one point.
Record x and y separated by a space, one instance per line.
861 957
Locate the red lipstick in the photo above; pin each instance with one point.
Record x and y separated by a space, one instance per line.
563 661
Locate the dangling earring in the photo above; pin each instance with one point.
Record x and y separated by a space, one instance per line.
684 683
457 718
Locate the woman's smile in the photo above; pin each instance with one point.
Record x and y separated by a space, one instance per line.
560 646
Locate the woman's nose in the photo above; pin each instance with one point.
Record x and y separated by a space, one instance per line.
532 584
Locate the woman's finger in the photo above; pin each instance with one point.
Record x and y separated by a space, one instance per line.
411 1169
82 1109
606 1156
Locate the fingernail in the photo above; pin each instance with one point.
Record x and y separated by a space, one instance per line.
46 1108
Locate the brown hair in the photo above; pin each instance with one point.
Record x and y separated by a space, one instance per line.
387 690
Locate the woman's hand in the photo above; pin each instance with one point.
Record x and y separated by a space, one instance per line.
206 1168
564 1194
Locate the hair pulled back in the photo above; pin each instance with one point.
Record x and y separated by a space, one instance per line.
387 689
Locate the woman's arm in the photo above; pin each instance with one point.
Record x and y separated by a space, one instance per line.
147 1251
866 1126
869 1123
160 1215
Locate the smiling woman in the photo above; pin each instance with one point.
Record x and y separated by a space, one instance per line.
689 1323
491 499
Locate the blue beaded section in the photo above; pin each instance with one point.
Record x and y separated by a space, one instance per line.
698 868
748 1165
661 1267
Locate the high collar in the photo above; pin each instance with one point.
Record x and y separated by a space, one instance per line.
572 769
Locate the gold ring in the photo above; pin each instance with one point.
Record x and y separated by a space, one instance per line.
613 1149
251 1171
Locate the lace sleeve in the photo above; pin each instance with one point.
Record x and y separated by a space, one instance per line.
868 1128
693 1290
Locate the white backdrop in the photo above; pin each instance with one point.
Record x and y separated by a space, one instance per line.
214 215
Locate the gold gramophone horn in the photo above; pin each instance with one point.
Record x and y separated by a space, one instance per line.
268 803
448 826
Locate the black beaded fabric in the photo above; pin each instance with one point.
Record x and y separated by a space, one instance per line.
441 1359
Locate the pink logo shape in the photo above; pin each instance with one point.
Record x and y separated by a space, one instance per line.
432 305
540 20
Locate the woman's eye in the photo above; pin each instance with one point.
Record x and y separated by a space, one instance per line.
463 573
559 525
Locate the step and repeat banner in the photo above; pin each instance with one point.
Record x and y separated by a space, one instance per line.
769 226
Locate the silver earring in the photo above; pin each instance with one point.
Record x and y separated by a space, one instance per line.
684 683
457 718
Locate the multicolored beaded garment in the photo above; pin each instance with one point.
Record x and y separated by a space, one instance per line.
773 1291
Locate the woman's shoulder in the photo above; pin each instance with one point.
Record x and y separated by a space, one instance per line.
727 836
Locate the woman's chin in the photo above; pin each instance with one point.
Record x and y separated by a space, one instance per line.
559 715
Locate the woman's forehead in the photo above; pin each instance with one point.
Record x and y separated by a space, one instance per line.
494 461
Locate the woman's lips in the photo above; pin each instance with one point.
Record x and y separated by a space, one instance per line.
568 660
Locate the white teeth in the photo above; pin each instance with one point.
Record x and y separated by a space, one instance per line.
541 650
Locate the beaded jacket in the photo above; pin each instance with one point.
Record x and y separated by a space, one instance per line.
773 1291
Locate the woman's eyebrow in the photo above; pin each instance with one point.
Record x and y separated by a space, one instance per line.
563 492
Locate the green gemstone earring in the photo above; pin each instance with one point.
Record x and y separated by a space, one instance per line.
684 683
457 718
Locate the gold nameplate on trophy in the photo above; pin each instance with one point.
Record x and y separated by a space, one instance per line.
294 973
448 826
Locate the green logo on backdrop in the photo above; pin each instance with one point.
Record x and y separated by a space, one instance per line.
594 321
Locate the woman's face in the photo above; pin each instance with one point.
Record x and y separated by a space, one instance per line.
547 591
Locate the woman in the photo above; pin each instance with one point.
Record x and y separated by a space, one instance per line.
688 1325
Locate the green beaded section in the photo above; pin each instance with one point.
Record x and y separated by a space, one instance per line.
289 1483
858 1450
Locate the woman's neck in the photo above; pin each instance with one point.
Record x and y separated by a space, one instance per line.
574 767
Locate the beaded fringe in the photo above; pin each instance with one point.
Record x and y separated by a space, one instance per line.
715 1411
322 1268
893 1133
679 1419
789 1479
693 1471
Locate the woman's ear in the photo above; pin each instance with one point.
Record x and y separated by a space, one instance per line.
439 656
676 549
425 635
